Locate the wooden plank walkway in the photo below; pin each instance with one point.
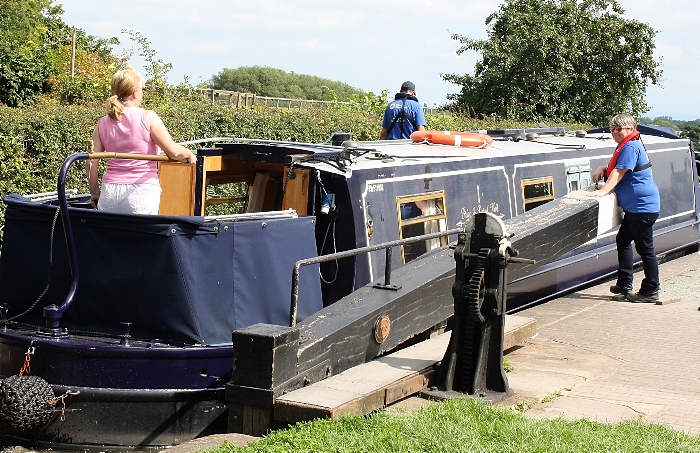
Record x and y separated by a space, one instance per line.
381 382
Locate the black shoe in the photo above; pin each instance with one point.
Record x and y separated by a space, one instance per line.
641 298
619 289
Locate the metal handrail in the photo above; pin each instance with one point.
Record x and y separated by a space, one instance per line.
348 253
53 313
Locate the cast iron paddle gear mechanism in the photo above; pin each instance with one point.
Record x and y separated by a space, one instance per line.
473 363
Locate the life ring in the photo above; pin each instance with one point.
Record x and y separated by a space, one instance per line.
452 138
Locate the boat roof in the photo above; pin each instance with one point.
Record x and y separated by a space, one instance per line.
389 153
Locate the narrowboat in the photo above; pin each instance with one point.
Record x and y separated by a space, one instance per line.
129 318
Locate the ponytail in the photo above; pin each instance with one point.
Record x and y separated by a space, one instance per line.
114 108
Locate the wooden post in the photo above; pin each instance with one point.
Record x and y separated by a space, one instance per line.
72 58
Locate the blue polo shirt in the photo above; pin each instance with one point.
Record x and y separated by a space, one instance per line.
403 127
636 192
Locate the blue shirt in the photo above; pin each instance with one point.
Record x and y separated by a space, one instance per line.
636 192
403 127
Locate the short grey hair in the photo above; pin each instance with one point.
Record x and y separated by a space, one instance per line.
624 120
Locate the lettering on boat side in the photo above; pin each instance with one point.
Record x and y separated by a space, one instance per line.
375 188
491 207
466 213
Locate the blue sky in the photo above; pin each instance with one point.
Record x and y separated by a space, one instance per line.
370 44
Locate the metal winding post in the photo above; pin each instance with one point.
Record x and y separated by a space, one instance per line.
473 362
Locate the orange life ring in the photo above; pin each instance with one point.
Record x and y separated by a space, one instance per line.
452 138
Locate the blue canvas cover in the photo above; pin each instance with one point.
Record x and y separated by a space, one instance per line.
180 279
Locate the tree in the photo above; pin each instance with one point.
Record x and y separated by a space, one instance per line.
156 70
693 133
562 60
35 55
90 80
266 81
23 65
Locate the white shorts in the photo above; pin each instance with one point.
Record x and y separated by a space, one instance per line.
129 198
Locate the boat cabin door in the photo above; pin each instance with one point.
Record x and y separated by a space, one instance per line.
295 190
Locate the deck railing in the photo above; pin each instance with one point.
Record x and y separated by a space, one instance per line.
387 246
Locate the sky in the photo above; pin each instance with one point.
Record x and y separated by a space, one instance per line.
373 45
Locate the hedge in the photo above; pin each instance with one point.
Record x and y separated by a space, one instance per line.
34 141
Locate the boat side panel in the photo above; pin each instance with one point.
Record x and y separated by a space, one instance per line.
467 191
100 418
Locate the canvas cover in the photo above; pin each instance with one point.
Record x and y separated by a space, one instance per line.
179 279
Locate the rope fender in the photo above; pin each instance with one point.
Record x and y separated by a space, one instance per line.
26 402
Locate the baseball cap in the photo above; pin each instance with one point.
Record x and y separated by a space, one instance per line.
407 85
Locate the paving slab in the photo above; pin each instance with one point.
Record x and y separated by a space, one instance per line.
615 360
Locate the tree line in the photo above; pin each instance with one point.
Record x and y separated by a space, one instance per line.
273 82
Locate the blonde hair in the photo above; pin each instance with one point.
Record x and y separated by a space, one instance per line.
624 120
124 84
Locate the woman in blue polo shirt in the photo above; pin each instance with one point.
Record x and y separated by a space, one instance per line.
629 174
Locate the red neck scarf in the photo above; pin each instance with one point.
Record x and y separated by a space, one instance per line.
634 135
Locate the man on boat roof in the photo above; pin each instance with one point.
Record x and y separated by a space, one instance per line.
403 115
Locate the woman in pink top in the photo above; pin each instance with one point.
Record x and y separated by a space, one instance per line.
130 186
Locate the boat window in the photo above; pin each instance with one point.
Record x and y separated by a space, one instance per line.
419 215
224 199
578 175
537 191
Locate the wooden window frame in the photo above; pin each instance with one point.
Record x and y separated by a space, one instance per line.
528 202
403 199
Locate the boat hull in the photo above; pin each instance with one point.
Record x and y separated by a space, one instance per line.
116 418
121 396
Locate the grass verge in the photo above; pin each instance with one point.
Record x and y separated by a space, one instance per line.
469 426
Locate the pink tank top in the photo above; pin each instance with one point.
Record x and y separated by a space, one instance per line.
130 135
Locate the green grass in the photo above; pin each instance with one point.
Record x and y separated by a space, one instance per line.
551 397
469 426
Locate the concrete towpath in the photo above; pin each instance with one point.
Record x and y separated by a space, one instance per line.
609 361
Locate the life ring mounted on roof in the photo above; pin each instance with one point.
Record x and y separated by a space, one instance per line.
452 138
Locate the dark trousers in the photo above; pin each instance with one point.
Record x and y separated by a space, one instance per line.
637 228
